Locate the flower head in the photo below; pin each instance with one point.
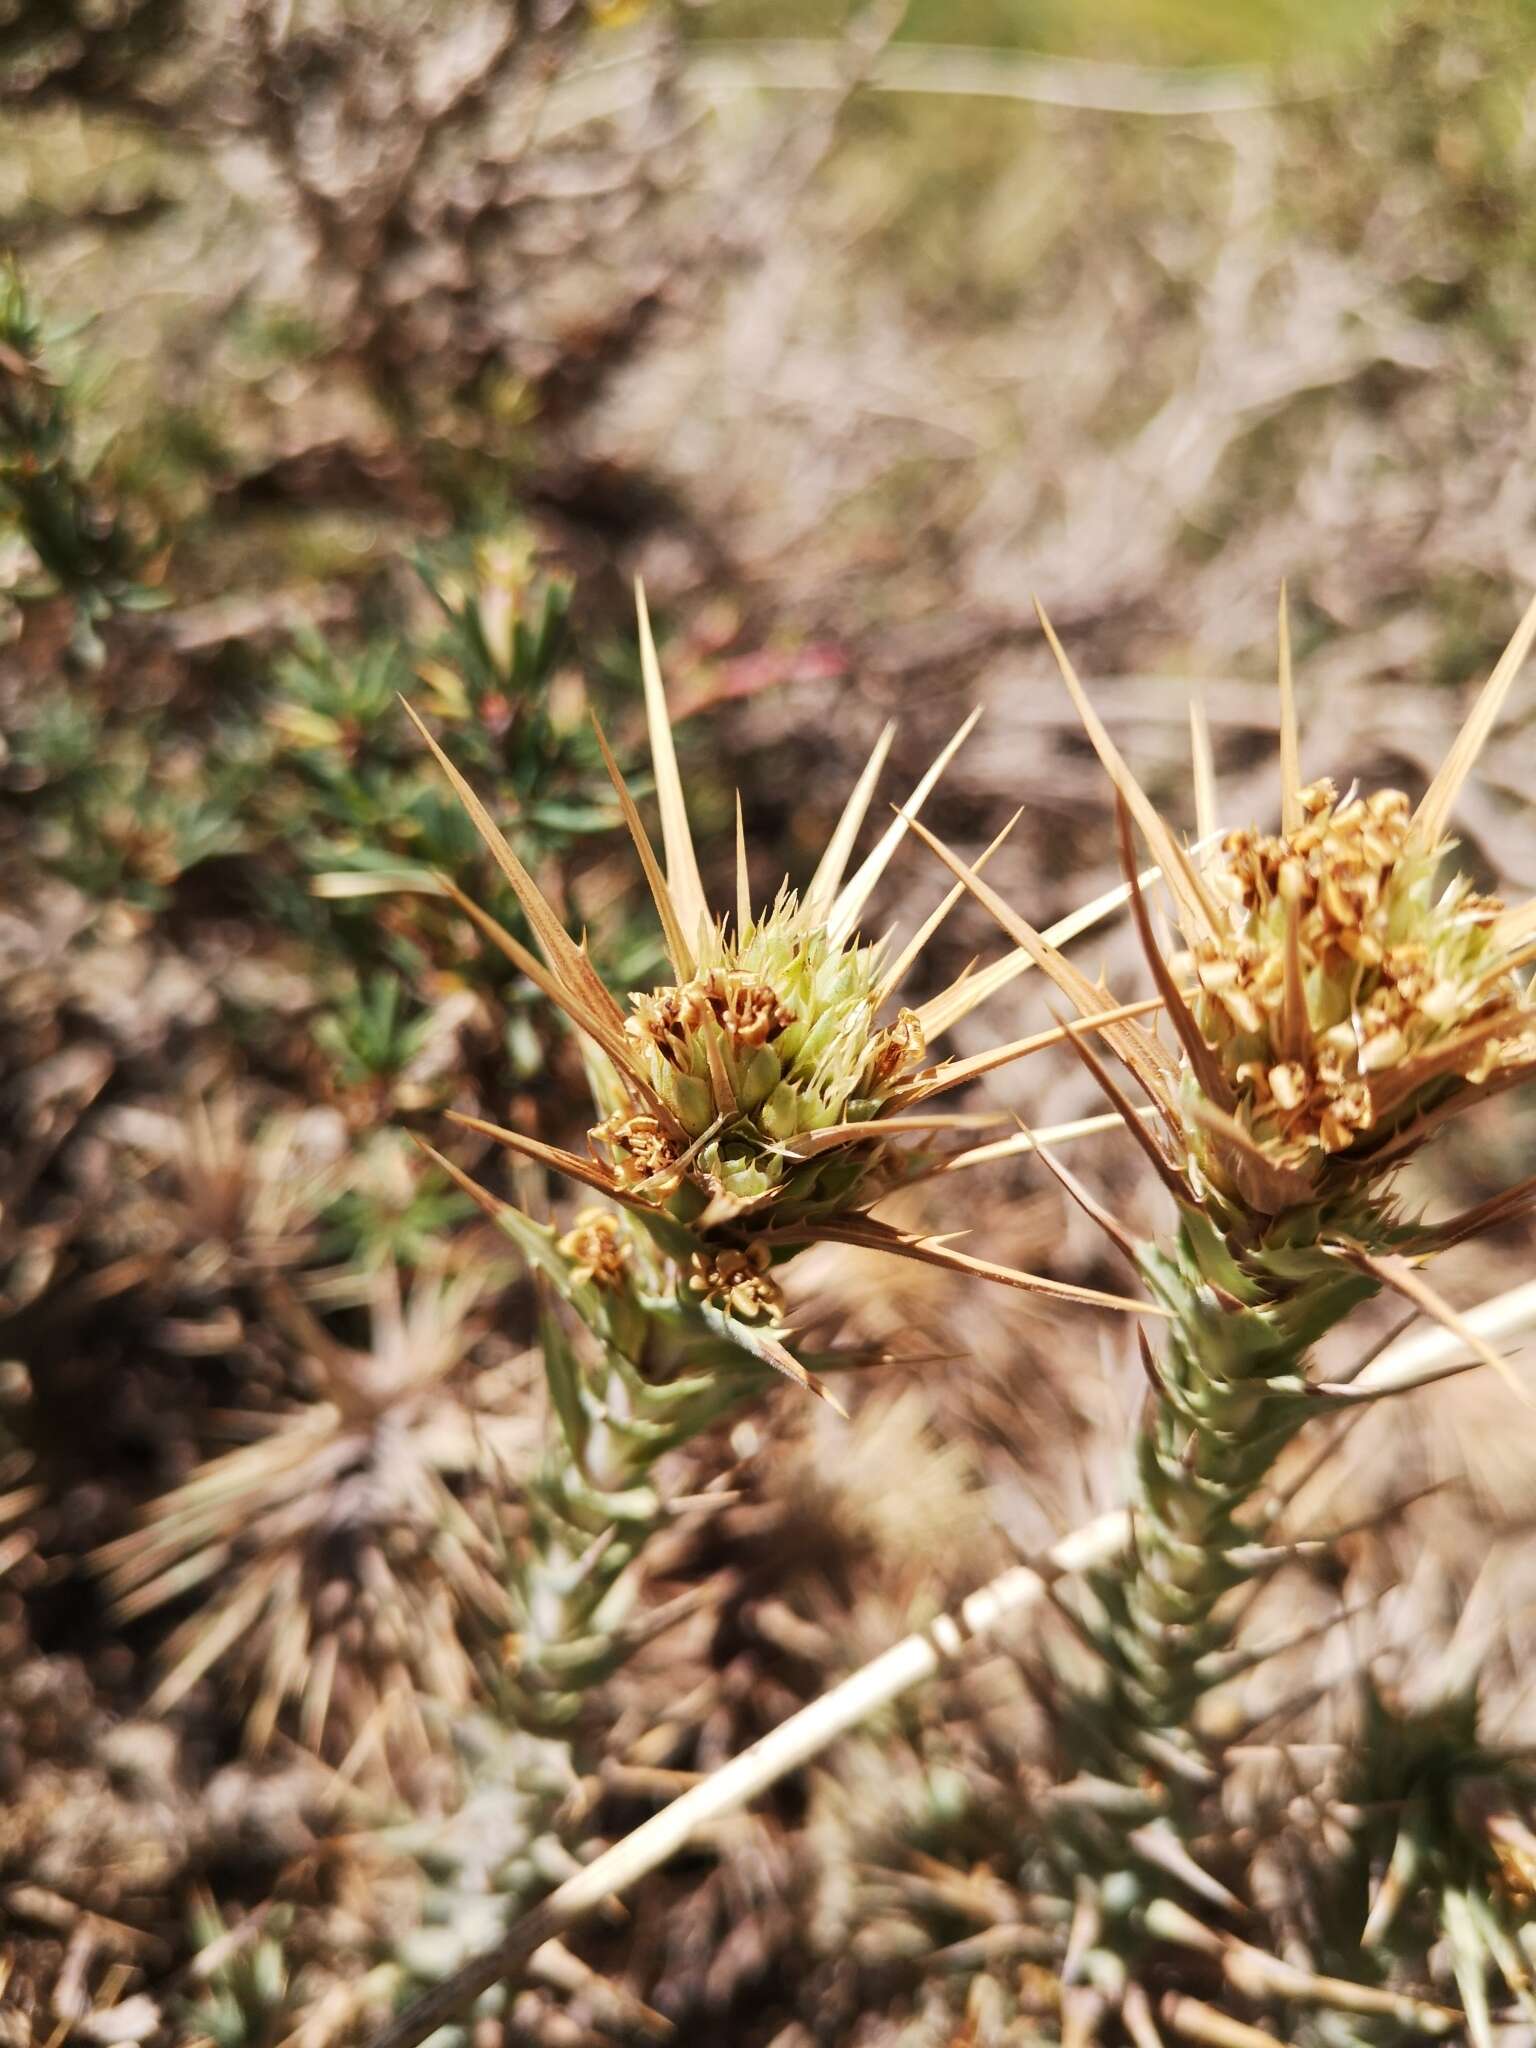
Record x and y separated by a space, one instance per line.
736 1281
773 1040
1340 993
763 1094
598 1252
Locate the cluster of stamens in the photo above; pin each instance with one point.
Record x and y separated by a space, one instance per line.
643 1150
748 1012
899 1046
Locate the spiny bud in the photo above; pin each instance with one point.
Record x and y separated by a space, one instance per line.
773 1038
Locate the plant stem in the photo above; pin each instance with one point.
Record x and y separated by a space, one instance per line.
805 1734
745 1777
1228 1395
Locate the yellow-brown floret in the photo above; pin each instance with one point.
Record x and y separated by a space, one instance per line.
643 1150
598 1250
737 1282
1339 986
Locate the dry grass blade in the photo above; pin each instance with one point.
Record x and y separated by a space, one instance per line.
1194 2020
288 1313
847 909
551 1156
828 878
1093 1209
1126 1110
492 1205
1420 1359
1027 1141
875 1130
743 879
968 991
525 962
1136 2017
1207 1071
569 962
1141 1052
613 1043
1406 1280
870 1235
1290 738
1188 891
677 839
1202 767
1434 812
943 1011
1258 1974
197 1646
956 1072
1158 1844
679 952
769 1348
904 962
1505 1207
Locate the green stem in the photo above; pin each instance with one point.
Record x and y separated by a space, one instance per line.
655 1372
1229 1393
664 1377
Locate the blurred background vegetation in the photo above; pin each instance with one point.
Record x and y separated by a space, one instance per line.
358 347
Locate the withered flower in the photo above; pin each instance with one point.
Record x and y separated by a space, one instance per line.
1343 989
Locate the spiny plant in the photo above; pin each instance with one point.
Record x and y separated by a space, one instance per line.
243 1996
351 798
1430 1853
347 1561
753 1104
759 1100
387 1210
139 816
1340 997
1447 1829
304 792
500 1847
222 1197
